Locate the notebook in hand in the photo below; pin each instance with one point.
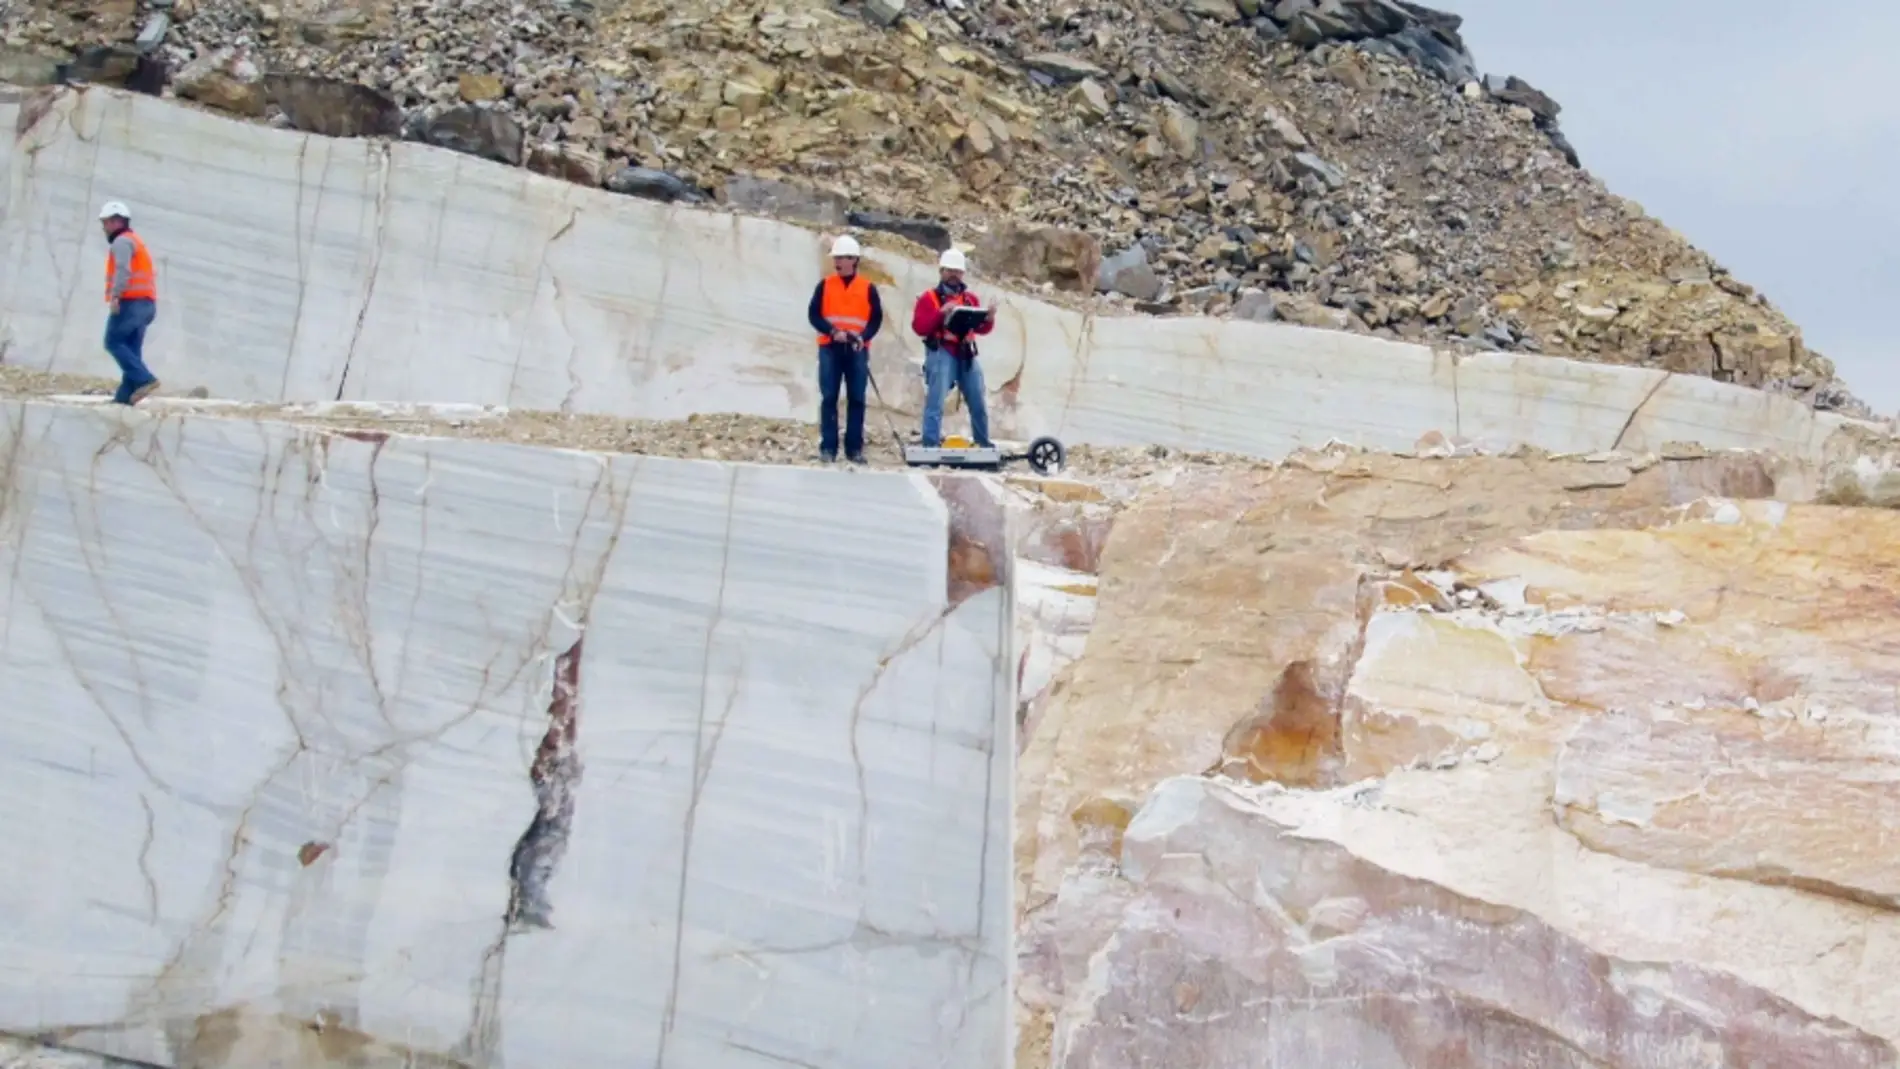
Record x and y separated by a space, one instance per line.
963 319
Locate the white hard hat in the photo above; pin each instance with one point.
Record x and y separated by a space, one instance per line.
846 246
113 208
952 260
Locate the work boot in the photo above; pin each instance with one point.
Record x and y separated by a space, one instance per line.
855 458
827 458
142 392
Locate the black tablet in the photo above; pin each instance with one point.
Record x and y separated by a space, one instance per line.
963 319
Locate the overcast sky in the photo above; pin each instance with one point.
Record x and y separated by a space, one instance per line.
1765 132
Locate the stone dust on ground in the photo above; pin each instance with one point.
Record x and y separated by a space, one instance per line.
715 436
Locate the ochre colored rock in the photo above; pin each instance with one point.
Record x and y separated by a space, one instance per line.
1069 259
1247 938
1516 726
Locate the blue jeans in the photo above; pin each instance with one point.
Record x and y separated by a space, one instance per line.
125 340
942 370
841 365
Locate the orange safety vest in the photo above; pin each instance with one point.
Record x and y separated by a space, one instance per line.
143 283
846 304
965 299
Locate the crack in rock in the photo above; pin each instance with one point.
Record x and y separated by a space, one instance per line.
556 774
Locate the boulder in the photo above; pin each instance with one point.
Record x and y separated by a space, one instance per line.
1133 256
1139 281
1222 11
150 75
1685 354
1308 163
1091 100
749 98
227 80
483 132
1283 129
1176 88
1445 22
975 142
1752 359
1180 130
1311 27
1063 68
1256 305
653 184
1309 22
102 65
1306 311
1439 54
926 232
1367 18
333 108
1068 259
28 68
1515 90
786 200
479 87
570 163
152 33
1562 144
883 12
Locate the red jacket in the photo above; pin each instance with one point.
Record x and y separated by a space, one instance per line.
927 318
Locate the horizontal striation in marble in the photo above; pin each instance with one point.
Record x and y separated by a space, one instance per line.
298 267
345 748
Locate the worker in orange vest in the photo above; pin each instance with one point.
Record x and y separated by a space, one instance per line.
846 313
950 349
132 296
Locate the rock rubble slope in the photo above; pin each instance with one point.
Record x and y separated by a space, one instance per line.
376 750
1338 163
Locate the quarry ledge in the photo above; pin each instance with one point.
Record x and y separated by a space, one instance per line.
1858 465
558 297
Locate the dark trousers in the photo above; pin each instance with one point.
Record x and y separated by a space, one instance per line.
125 340
851 368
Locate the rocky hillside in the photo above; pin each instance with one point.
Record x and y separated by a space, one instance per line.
1338 163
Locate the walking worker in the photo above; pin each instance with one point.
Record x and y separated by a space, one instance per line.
950 350
846 313
132 297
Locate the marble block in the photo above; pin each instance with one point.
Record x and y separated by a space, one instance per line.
324 269
342 748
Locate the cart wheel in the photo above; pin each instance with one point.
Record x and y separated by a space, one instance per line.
1045 456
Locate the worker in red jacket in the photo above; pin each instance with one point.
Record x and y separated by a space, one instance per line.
950 350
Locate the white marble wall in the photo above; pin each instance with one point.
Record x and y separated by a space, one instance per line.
296 267
272 700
